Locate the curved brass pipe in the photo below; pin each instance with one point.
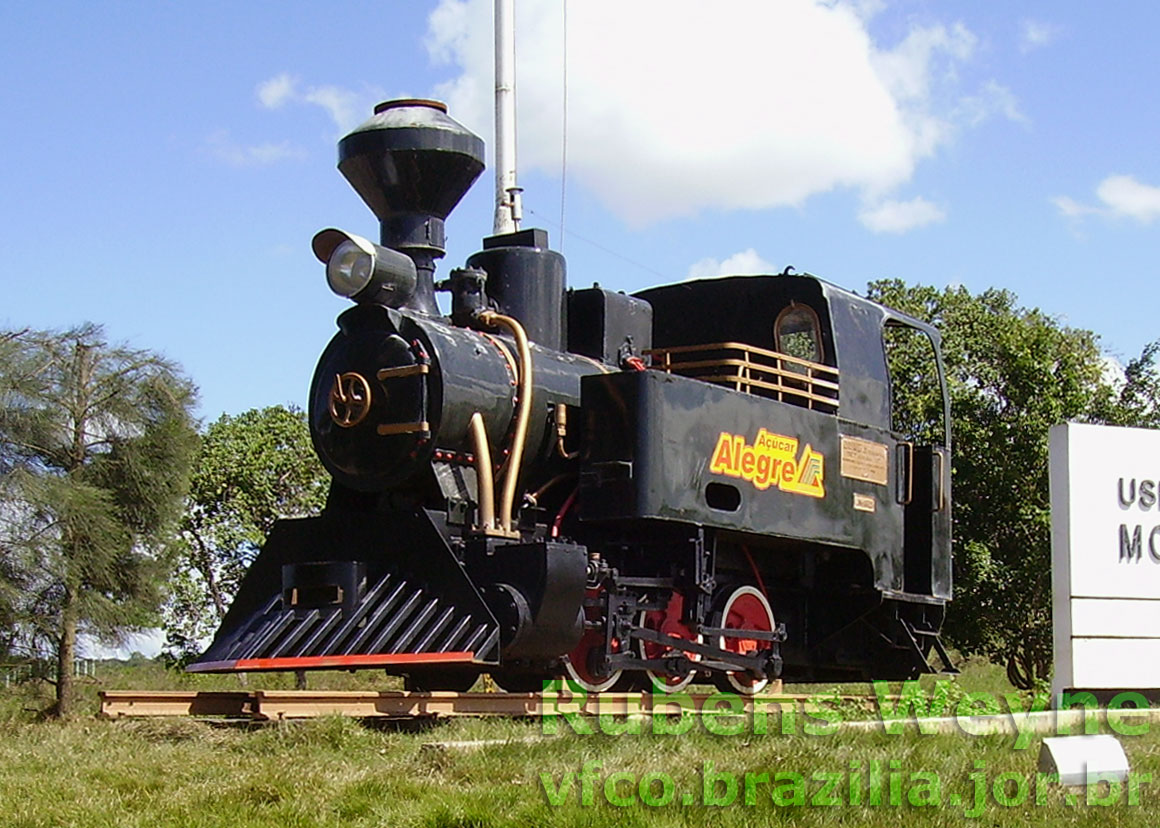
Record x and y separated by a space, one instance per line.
523 413
483 473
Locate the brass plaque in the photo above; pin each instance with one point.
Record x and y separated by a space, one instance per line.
865 503
865 460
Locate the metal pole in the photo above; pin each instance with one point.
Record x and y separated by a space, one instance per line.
507 193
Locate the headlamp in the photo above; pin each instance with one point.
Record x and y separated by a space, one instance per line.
364 271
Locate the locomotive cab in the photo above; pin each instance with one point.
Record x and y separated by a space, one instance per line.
862 547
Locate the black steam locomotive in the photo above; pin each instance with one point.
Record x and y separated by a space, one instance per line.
697 480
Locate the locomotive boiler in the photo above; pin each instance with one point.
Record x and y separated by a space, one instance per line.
701 481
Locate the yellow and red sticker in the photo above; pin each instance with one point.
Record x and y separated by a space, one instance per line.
771 460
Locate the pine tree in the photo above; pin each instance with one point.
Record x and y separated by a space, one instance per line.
96 444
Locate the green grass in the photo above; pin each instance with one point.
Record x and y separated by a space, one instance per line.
337 772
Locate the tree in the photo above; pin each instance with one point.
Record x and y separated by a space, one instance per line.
1134 398
1012 373
96 444
251 470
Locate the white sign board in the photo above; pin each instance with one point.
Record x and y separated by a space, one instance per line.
1105 556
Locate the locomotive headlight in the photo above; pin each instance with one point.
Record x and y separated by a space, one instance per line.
350 268
364 271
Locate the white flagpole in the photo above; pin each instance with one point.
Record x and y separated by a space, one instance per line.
507 193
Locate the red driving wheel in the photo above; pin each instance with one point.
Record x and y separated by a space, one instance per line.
667 622
578 663
745 609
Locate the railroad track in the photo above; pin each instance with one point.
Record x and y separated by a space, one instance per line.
275 705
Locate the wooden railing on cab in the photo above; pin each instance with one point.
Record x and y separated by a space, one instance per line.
755 371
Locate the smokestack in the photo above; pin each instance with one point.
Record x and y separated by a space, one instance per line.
411 164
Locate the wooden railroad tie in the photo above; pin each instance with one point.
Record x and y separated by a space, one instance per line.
273 705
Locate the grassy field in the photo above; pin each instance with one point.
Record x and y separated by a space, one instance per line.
338 772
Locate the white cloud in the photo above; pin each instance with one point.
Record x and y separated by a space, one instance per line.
223 147
681 106
149 643
866 9
907 70
1121 196
992 99
1071 208
1125 196
276 91
1112 372
739 264
346 108
1035 34
901 216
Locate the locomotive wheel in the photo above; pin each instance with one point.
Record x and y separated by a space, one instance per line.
578 663
746 608
667 622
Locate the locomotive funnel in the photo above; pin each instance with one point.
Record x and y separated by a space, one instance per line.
411 164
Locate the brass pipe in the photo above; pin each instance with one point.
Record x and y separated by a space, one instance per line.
523 413
483 473
562 432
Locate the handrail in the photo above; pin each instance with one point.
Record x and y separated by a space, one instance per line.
725 379
741 346
754 370
753 366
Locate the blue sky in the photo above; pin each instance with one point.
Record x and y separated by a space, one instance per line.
164 165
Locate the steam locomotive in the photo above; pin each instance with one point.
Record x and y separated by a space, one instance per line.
700 480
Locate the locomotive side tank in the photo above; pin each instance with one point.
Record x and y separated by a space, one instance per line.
701 480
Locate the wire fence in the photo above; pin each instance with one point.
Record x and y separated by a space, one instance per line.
15 673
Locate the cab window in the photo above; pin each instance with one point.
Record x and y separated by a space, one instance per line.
797 333
916 397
